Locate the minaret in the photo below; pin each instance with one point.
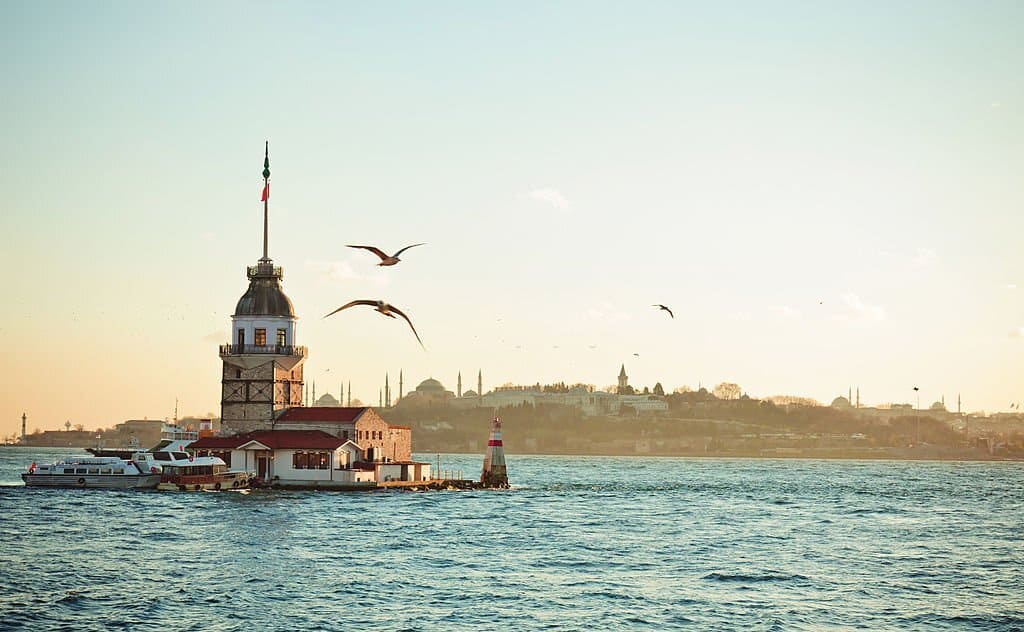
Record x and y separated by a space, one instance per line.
387 392
24 418
849 394
958 403
480 387
623 380
262 364
380 398
458 391
350 392
858 397
400 385
341 400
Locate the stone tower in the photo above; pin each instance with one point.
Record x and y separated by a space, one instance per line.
623 380
262 372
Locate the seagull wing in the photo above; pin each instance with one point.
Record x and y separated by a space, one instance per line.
408 247
352 304
402 314
375 250
660 306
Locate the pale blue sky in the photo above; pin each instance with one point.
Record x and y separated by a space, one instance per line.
740 163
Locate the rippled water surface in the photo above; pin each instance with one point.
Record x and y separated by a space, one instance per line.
579 543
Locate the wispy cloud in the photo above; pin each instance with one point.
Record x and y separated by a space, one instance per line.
925 257
859 310
216 336
340 271
1011 286
607 311
550 196
787 312
1017 332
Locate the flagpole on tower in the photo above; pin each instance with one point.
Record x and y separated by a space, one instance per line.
266 196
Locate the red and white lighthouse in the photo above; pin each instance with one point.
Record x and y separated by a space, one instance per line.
494 474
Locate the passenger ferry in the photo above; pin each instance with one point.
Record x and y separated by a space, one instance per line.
182 471
106 472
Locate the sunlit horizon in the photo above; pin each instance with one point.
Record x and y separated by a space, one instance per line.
827 198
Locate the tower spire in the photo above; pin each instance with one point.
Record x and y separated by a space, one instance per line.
266 196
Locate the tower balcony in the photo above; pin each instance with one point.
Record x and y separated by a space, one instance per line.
279 350
265 269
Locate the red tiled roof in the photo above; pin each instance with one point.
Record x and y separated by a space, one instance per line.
274 439
322 414
209 443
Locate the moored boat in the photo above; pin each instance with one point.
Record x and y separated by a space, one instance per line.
93 472
182 471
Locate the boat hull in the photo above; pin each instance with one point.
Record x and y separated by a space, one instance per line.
212 482
92 481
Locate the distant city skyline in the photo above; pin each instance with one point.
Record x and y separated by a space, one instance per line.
825 196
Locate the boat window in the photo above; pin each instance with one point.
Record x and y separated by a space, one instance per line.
81 470
94 470
105 470
180 455
162 456
118 471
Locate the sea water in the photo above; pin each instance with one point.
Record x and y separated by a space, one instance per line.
578 543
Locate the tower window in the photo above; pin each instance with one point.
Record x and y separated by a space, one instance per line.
241 337
281 336
261 338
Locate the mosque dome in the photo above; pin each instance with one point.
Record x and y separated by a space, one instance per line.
430 385
840 402
264 298
938 406
470 393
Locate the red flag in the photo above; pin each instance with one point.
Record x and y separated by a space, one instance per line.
266 192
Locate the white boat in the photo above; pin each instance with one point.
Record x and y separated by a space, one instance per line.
182 471
106 472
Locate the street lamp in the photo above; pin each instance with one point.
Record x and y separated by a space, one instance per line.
917 416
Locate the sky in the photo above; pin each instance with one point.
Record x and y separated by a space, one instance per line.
827 195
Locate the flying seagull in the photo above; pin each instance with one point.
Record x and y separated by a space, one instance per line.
385 258
383 308
659 306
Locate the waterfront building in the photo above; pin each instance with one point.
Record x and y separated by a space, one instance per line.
265 423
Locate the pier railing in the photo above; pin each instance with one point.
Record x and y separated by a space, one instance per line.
284 350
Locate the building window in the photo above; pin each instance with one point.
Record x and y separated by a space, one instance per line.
241 337
238 372
261 338
344 435
281 337
299 461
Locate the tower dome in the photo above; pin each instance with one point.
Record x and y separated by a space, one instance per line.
430 385
265 296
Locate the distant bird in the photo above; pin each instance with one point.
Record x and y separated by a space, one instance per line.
385 258
383 308
659 306
637 354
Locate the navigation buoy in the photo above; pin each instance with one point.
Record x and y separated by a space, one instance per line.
494 473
